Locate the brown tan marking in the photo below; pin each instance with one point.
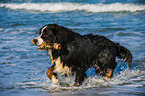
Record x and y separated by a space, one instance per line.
49 73
109 74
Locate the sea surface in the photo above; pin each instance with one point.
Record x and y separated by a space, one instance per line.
23 67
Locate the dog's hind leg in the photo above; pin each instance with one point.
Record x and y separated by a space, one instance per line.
109 73
52 75
80 76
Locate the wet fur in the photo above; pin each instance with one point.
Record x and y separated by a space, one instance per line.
81 52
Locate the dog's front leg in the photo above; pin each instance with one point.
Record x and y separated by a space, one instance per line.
51 75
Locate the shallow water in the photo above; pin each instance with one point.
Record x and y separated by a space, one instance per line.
23 67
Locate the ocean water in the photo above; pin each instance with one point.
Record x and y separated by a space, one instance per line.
23 67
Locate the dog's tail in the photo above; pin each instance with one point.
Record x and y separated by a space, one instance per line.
124 53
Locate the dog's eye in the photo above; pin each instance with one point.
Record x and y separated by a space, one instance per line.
44 33
46 36
50 35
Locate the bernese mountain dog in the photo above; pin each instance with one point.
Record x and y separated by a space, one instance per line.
72 53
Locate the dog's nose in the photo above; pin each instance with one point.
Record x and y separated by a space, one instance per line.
34 41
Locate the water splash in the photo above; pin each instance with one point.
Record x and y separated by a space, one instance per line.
130 78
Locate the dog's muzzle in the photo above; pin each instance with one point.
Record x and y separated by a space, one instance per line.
45 45
42 45
38 41
34 41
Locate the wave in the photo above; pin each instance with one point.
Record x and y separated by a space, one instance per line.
65 6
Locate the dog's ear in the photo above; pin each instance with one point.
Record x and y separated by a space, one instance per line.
58 38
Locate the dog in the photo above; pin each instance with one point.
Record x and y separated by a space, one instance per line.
72 53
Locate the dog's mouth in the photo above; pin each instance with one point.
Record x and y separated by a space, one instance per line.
41 48
47 45
44 46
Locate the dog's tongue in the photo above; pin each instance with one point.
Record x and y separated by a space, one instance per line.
40 48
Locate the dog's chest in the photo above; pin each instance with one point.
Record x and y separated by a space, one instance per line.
59 68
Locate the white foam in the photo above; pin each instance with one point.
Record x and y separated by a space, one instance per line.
125 79
1 29
65 6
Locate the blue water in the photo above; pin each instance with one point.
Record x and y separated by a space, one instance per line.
23 67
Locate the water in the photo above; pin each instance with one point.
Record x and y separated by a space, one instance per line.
23 67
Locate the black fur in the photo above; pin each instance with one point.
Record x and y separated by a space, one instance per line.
81 52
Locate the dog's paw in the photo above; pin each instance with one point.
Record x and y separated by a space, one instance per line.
76 84
54 80
64 84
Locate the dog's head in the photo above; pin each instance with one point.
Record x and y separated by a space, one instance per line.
49 37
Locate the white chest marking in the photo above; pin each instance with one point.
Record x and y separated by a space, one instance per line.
60 68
